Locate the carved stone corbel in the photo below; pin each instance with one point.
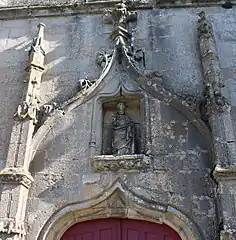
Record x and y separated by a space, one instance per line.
16 176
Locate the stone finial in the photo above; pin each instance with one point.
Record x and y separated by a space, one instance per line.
29 108
204 28
120 15
38 40
37 50
121 36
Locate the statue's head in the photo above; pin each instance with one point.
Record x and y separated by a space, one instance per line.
120 108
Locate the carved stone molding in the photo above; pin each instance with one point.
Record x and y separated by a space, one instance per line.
119 201
221 173
124 163
16 176
90 7
10 226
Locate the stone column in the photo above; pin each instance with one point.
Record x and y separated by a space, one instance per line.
217 111
15 177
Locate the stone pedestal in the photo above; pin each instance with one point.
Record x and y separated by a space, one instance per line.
123 163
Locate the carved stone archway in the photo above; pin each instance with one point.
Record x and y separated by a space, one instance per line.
119 202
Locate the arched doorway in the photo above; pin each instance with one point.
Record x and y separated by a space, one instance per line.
119 229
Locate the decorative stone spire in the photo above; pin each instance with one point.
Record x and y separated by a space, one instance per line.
37 52
16 171
218 114
29 107
215 101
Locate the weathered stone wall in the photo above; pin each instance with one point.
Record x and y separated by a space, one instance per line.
61 168
72 45
16 37
181 173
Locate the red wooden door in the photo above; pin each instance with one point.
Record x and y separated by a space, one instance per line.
120 229
102 229
141 230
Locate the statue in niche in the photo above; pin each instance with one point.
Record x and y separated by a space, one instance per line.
123 132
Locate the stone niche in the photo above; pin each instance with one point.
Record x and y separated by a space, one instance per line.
133 112
123 135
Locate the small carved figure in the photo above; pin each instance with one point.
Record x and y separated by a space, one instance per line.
85 84
103 59
122 132
22 111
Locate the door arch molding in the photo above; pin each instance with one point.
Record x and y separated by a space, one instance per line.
119 202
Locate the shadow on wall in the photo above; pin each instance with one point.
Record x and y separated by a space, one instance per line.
71 51
72 47
56 161
15 39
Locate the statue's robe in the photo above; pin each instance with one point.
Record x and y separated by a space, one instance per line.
122 135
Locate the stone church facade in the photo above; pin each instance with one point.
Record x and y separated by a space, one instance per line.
117 110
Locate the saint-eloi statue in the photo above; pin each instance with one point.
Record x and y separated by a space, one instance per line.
123 129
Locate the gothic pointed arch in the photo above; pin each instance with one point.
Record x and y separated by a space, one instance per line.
147 83
124 56
119 202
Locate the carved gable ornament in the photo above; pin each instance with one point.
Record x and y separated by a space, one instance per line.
132 93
